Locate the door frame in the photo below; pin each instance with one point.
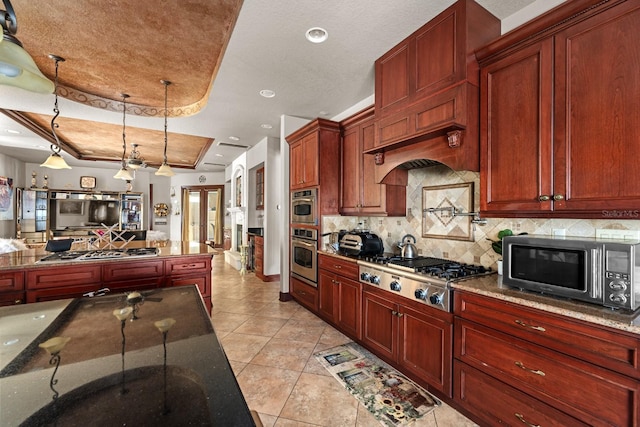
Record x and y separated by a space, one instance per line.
203 189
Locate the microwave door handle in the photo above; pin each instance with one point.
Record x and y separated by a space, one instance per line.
596 274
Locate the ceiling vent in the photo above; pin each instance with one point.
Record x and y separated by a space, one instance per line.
229 144
215 164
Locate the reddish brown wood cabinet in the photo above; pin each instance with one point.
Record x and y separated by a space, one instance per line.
314 154
416 339
340 294
306 295
427 85
53 282
360 194
549 360
12 288
558 104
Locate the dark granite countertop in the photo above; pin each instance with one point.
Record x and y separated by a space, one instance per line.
199 381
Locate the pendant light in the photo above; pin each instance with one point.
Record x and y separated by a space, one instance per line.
55 160
124 173
135 160
165 169
17 68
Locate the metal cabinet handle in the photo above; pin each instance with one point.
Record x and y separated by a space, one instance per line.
544 198
337 266
558 197
18 301
533 371
527 423
524 325
397 314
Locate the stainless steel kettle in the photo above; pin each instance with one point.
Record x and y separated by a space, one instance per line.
409 249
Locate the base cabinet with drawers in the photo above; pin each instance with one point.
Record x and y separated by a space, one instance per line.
54 282
540 368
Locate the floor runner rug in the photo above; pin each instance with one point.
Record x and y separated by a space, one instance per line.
390 396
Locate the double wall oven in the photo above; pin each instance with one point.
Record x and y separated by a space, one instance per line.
304 235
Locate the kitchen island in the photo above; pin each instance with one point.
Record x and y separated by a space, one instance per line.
25 278
200 386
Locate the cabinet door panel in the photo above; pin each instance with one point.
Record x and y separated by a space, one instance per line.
597 90
380 324
326 294
392 71
350 307
311 159
437 41
11 281
350 171
119 271
426 348
516 131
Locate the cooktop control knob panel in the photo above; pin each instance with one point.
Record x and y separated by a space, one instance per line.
395 286
421 294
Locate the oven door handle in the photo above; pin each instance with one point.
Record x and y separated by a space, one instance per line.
302 200
301 242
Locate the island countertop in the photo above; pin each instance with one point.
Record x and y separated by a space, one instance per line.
29 258
91 362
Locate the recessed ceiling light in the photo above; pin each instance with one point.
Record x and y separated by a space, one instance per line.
266 126
234 138
14 132
267 93
219 155
316 35
324 113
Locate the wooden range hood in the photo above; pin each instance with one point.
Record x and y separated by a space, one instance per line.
427 93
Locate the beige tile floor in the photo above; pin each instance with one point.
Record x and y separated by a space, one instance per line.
270 346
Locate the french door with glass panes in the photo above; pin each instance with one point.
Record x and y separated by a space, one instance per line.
203 214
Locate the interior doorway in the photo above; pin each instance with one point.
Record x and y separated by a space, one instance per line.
203 214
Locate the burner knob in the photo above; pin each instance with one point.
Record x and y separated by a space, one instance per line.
395 285
375 280
365 276
421 294
436 299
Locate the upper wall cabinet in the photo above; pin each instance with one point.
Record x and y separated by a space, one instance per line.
559 105
360 194
427 85
314 161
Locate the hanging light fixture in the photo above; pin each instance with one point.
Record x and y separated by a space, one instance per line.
17 68
165 169
55 160
124 173
135 160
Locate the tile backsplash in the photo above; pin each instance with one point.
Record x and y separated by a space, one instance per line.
477 251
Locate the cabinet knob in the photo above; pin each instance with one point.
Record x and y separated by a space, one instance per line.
558 197
337 266
18 301
544 198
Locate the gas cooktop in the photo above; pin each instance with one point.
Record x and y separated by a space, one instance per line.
422 279
99 254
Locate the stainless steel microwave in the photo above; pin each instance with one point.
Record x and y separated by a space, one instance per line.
304 208
600 271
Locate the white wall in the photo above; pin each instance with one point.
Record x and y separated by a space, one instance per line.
11 168
528 13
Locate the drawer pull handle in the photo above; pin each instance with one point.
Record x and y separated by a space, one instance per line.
533 371
395 313
524 325
521 418
338 266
